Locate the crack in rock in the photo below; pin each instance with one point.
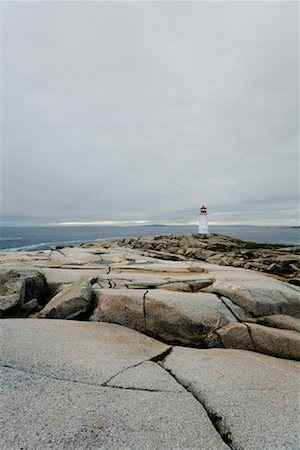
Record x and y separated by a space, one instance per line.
142 389
162 356
111 284
230 309
251 338
216 420
144 310
86 383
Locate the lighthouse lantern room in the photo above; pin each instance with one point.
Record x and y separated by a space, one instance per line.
203 225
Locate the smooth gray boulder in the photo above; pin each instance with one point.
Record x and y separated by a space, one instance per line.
70 303
174 317
280 321
30 307
259 338
235 336
261 297
253 399
276 342
185 318
18 286
122 306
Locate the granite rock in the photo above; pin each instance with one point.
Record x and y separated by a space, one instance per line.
71 302
18 286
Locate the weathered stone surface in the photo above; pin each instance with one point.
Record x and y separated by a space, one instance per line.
44 413
9 302
72 350
237 311
122 306
271 341
280 321
187 285
276 342
235 335
69 303
260 297
17 286
148 376
170 316
184 317
279 260
177 286
252 398
250 296
57 277
30 307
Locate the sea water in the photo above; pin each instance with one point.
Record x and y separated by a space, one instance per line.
48 237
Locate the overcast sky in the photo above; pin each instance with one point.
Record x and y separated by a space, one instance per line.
138 111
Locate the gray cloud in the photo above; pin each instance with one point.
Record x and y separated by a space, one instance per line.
140 111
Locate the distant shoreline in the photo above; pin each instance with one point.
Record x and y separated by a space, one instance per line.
42 238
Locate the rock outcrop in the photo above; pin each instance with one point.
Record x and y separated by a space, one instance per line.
279 260
116 377
72 302
183 302
18 287
174 317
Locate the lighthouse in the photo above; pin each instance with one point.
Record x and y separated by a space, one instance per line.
203 226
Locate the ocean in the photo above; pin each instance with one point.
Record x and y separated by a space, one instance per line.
48 237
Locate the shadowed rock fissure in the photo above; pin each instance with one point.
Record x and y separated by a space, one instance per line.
144 310
216 420
158 357
161 356
250 335
86 383
228 307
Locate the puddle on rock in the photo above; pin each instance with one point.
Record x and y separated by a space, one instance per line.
134 262
104 262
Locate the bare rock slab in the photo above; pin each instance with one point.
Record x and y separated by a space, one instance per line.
79 351
252 398
44 413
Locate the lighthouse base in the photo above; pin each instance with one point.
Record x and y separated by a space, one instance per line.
203 231
203 226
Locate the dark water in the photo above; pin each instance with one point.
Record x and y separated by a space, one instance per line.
40 238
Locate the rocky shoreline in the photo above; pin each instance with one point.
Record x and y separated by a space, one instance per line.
204 350
281 261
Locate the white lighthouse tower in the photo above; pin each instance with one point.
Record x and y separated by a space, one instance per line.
203 226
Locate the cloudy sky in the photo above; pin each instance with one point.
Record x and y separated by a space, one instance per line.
141 111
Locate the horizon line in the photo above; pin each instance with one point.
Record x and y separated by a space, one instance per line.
290 223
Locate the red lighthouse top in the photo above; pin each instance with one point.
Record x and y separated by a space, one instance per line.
203 209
